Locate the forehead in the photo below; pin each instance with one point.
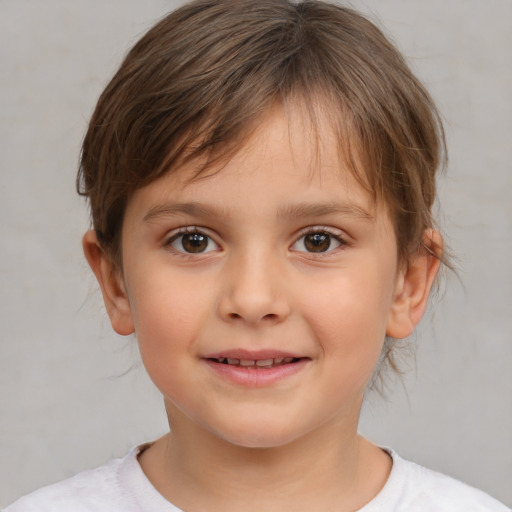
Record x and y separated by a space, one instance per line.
287 158
309 135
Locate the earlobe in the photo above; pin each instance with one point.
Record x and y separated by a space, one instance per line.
111 284
413 286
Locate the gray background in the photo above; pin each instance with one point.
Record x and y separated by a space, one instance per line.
72 394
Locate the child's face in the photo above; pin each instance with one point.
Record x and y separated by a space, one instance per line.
267 260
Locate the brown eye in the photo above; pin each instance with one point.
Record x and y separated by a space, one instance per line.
317 242
193 243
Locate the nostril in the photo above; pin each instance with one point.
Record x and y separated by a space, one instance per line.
267 317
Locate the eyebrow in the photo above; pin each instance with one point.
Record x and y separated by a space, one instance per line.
300 210
319 209
171 209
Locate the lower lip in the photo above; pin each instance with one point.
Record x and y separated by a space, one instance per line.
254 377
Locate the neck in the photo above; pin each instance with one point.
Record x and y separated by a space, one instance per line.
331 468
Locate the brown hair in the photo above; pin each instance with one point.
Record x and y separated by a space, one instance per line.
194 83
198 80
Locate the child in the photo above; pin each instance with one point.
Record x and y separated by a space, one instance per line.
261 177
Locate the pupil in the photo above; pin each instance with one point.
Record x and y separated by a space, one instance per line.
195 242
317 242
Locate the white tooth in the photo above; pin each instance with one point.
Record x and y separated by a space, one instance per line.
265 367
247 362
264 362
278 360
233 361
287 360
221 359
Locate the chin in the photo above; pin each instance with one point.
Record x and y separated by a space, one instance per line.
260 435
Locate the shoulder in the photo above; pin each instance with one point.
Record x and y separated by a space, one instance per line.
424 490
93 490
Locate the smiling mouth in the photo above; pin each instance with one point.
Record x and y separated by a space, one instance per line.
257 364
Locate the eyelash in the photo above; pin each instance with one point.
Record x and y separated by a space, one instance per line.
189 230
181 233
331 233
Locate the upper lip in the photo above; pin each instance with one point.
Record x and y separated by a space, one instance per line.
255 355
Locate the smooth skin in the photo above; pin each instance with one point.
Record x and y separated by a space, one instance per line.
277 251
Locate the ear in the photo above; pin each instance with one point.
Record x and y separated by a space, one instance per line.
413 286
111 283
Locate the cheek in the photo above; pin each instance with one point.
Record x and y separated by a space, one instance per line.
348 317
168 315
164 303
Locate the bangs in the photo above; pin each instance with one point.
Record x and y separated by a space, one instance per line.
195 86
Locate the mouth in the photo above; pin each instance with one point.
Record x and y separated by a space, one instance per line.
256 364
256 368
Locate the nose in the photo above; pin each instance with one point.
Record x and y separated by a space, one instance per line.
254 291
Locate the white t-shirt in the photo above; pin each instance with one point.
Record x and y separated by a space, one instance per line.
122 486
